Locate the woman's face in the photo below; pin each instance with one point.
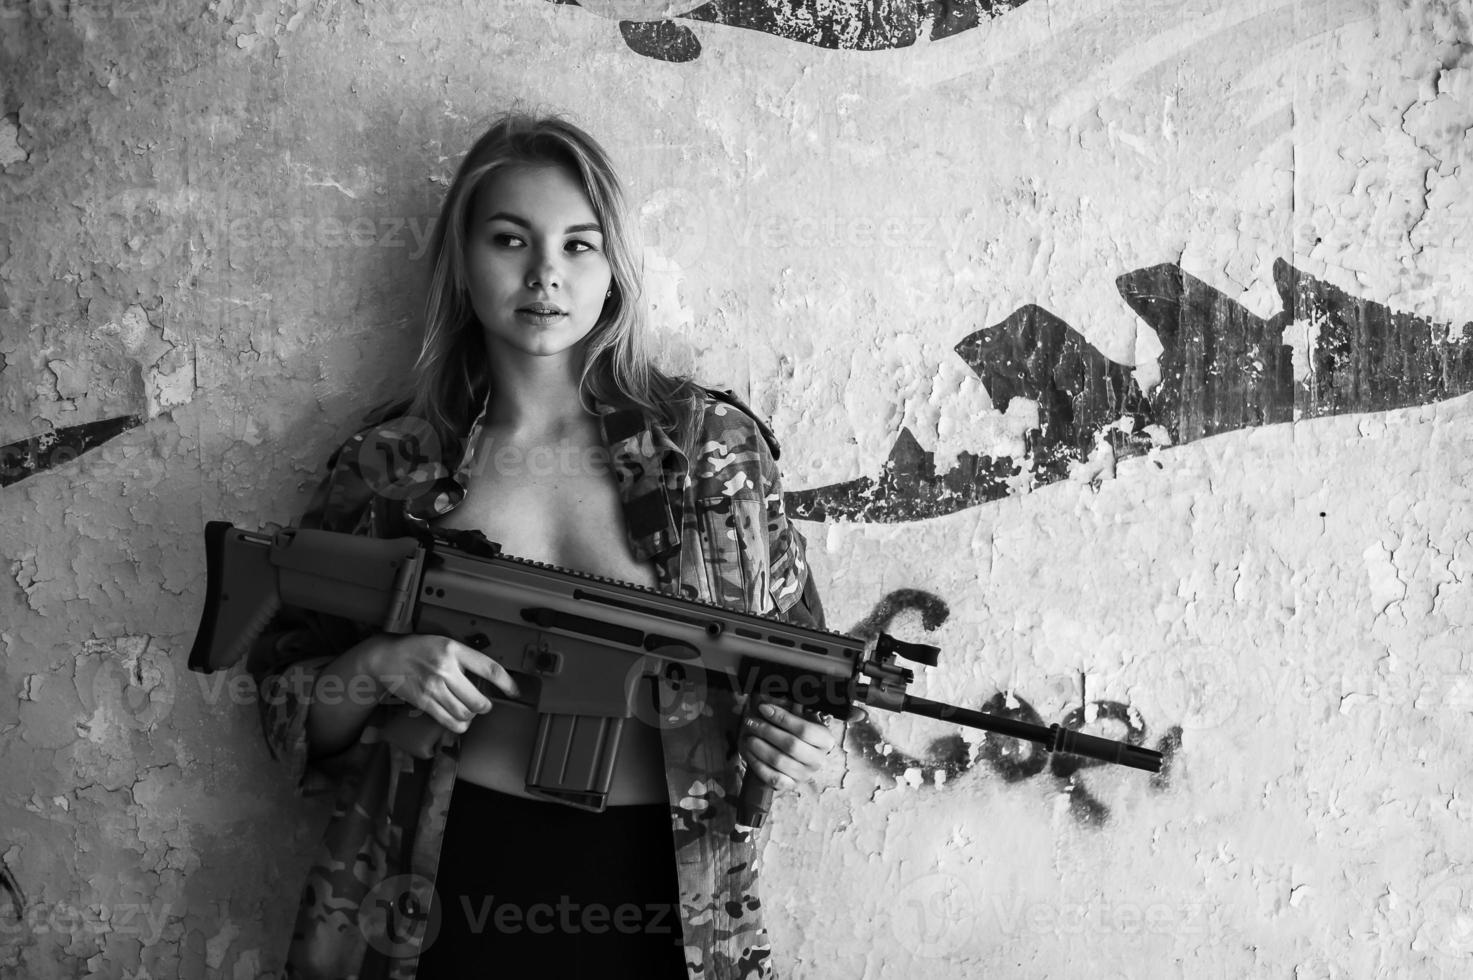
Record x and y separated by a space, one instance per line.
535 262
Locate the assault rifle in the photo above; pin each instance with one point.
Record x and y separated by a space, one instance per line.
581 648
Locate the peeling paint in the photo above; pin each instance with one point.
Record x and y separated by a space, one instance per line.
1222 368
11 152
856 25
51 449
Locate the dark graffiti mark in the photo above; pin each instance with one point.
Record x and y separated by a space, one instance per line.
12 888
853 25
1368 358
1077 719
1083 805
51 449
949 755
1081 393
933 610
908 487
1222 369
1014 760
1034 354
1169 746
662 40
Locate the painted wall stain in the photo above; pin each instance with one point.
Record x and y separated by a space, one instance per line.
852 25
49 450
13 891
1222 369
1012 760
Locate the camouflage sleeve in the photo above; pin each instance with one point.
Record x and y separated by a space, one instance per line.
792 586
297 644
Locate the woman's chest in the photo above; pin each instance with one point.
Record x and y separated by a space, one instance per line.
566 515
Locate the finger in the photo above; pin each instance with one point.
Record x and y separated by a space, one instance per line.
753 750
804 740
802 764
475 662
445 707
450 718
784 743
468 691
430 708
808 726
797 768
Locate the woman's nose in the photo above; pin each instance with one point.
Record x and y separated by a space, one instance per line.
544 272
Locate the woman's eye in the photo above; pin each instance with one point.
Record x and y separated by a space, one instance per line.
505 238
577 245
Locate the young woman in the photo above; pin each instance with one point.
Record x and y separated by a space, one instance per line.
537 418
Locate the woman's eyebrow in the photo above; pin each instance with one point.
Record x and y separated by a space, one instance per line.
514 219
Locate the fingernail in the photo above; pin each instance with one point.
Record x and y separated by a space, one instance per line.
768 710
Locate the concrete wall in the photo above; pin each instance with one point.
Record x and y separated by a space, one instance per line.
1117 348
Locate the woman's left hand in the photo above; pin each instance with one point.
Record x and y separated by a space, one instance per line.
782 746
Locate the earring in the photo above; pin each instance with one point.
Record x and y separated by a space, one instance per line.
609 293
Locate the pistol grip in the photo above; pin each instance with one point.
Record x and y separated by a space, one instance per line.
419 735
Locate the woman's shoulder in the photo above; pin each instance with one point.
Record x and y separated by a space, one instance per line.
391 455
727 421
390 447
734 449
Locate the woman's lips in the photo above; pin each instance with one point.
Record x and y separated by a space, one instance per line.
539 316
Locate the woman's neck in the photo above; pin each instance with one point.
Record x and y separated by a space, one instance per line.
536 395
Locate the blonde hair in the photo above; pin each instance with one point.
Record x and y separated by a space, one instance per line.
450 380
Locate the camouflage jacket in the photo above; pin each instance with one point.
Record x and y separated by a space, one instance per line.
714 529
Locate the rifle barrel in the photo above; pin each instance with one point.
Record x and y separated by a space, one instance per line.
1054 737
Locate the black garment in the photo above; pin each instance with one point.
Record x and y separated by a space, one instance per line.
533 889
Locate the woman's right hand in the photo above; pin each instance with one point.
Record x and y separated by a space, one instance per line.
437 675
